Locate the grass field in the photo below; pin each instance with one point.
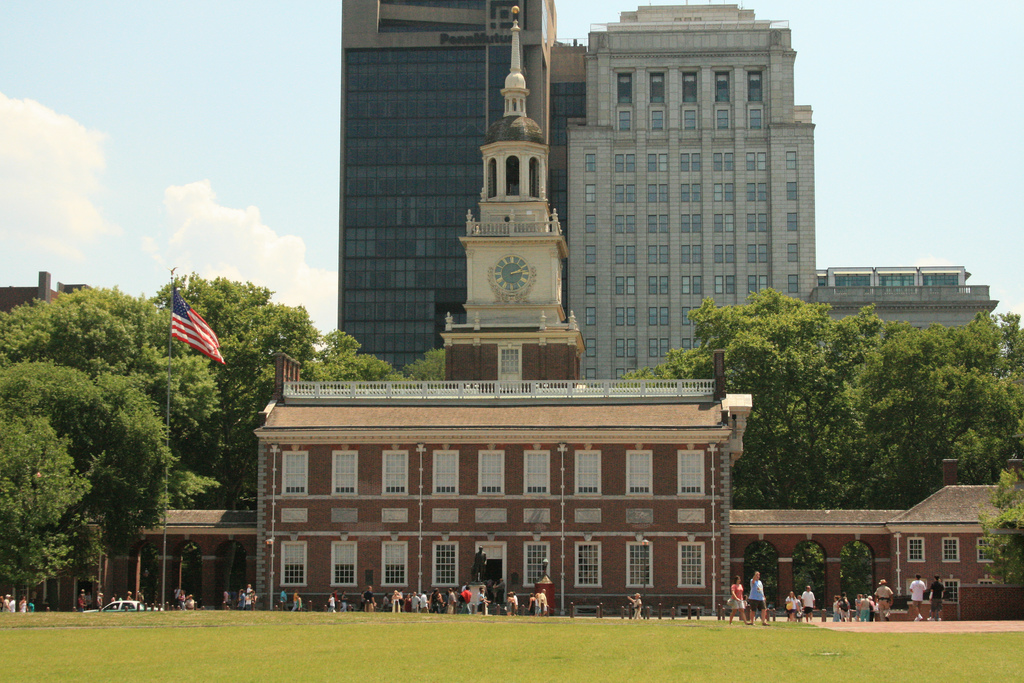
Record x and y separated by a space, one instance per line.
263 646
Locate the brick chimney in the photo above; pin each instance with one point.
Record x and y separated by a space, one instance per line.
949 472
286 369
43 291
718 359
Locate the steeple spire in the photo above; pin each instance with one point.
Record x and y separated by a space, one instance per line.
515 91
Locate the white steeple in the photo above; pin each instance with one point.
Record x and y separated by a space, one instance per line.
515 91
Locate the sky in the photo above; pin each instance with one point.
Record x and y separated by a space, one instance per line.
204 135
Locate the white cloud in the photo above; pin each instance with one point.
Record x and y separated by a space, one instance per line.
49 175
217 241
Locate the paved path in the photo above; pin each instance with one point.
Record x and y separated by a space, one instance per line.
924 626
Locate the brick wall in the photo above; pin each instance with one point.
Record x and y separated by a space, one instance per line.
981 602
618 525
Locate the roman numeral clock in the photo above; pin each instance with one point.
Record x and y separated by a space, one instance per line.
512 278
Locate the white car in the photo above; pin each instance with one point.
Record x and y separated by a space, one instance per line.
122 606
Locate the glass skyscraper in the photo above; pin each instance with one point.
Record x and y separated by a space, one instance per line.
421 82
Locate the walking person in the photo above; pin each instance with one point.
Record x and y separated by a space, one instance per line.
936 590
917 590
884 595
736 602
807 599
757 600
792 606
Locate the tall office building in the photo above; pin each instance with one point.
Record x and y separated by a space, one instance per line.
421 82
692 177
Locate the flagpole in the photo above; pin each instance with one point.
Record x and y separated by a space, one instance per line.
170 347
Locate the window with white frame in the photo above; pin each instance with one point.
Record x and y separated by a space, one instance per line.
915 550
343 560
293 563
510 368
588 564
446 472
984 549
536 473
638 565
492 471
534 555
394 557
344 475
396 472
952 591
446 564
951 549
691 564
588 472
691 472
295 473
638 472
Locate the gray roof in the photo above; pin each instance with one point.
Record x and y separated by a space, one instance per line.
514 129
950 504
211 518
811 517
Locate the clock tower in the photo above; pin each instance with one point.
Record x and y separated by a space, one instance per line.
515 325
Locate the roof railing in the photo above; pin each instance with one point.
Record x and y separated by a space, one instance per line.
498 390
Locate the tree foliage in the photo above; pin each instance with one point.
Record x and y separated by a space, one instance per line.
928 395
39 489
337 359
113 437
427 369
1004 529
252 329
856 412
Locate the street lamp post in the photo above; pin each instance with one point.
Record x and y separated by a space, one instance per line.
273 522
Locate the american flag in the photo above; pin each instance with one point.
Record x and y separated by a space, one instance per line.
189 327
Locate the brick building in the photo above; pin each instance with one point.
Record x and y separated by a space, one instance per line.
940 536
12 297
608 487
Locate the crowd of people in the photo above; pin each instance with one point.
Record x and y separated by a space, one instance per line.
9 604
865 607
491 598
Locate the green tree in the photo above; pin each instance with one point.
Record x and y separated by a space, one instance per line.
427 369
928 395
337 359
39 488
1004 528
105 332
113 435
798 364
251 329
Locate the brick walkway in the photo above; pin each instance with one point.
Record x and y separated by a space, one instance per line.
924 626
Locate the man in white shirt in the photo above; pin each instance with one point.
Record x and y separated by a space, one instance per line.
917 589
808 601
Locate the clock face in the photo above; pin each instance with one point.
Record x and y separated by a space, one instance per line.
512 273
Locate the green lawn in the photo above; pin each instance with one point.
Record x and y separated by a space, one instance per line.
262 646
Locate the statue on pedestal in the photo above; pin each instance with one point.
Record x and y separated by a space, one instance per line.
479 566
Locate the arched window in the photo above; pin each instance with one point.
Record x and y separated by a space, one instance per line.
534 177
492 178
512 176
